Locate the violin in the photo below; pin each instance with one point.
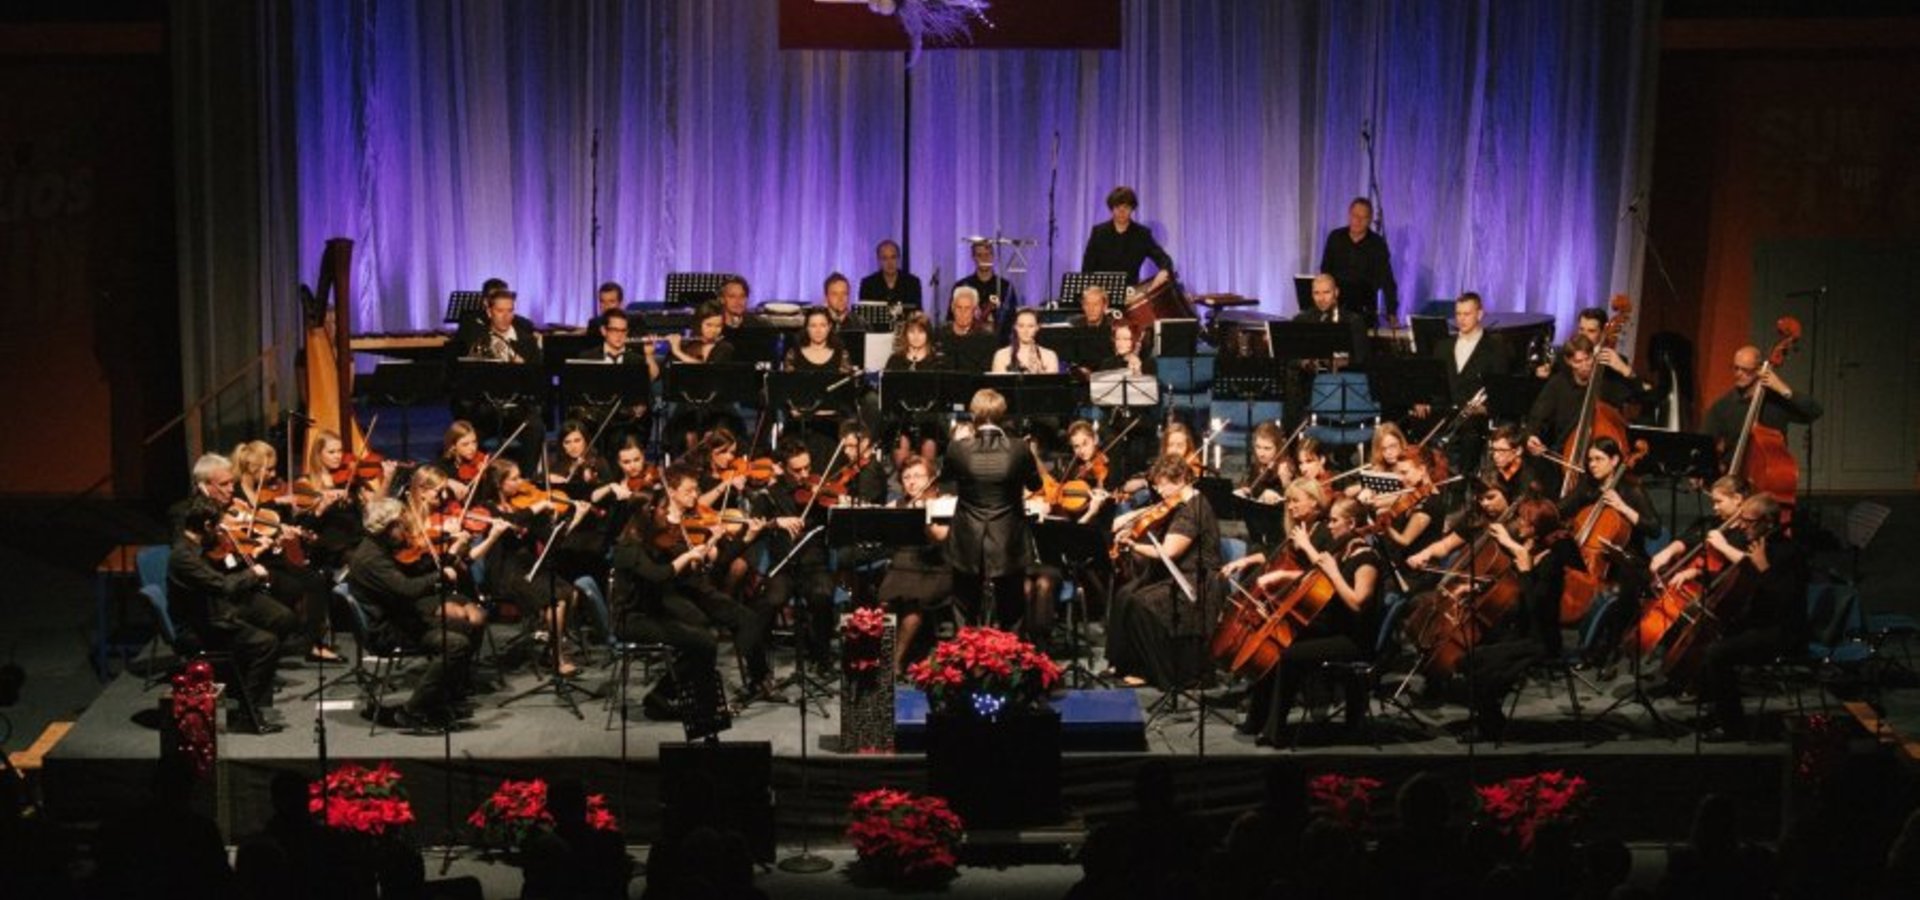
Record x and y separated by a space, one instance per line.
757 471
355 470
529 497
813 490
1143 523
469 470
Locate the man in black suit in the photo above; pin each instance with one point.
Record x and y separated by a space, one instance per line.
988 541
615 325
1358 258
890 285
213 596
1469 356
504 337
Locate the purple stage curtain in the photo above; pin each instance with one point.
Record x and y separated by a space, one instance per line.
455 142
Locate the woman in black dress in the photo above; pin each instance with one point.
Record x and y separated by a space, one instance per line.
1158 629
1345 630
918 582
1542 550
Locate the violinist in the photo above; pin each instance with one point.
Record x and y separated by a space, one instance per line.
989 541
859 474
1542 550
1088 464
1309 462
278 546
1344 630
460 456
1086 473
632 486
408 594
334 516
1156 630
1176 439
1556 412
215 598
1775 622
1264 481
1419 523
791 504
1780 407
578 471
968 345
918 582
536 516
666 592
1024 354
723 477
429 500
1383 459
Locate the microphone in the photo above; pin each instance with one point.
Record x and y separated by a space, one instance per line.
1056 148
1808 294
1366 130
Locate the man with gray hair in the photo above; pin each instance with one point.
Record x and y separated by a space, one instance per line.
405 603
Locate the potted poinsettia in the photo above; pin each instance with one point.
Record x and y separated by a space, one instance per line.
993 743
1345 799
518 810
904 839
366 801
1519 807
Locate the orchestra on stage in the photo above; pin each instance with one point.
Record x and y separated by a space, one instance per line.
1412 510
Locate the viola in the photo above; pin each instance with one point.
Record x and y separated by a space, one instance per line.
1761 456
257 531
1598 419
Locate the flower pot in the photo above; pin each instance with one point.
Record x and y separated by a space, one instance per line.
997 773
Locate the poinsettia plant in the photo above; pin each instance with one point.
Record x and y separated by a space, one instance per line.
355 798
1518 807
518 809
1346 799
862 639
899 836
195 698
984 672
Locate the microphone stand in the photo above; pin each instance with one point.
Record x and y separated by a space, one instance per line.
1053 222
806 862
593 232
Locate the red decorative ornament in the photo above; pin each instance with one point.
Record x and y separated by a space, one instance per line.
195 698
862 636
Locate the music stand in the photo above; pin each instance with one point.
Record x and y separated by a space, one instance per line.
802 393
914 394
597 384
1308 340
464 306
497 384
877 315
710 385
891 527
1428 332
1073 284
1674 455
1303 292
1400 383
1118 388
1077 549
693 288
1510 397
404 384
1077 346
757 341
1032 396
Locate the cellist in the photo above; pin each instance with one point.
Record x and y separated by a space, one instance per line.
1775 623
1542 550
1556 412
1345 629
1305 501
1781 406
1604 484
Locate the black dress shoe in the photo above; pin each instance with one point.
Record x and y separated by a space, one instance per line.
1248 727
1720 734
433 720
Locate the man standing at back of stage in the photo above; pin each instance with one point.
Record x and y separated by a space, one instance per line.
890 285
1359 261
988 542
1122 245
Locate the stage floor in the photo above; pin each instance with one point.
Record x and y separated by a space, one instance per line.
106 758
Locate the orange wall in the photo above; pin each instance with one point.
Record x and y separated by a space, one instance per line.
1773 130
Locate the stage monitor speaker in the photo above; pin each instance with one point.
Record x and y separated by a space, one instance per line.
726 786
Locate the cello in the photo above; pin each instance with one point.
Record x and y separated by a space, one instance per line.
1761 456
1598 418
1601 532
1474 595
1676 597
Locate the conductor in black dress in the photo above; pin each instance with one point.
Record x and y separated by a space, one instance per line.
989 542
1121 244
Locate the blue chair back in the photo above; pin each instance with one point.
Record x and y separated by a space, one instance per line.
362 625
596 604
150 565
1396 610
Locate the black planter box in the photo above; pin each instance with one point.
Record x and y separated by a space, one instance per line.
1000 773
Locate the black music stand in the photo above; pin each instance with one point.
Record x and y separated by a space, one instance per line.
693 288
1263 520
1675 456
1072 284
498 385
849 526
1308 340
757 341
1303 292
1400 383
1032 396
1510 397
464 306
876 315
709 386
406 385
1077 346
1078 550
598 385
1428 331
802 393
916 394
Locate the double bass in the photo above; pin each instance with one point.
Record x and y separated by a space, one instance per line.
1761 456
1598 418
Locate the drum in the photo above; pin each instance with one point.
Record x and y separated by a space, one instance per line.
1164 302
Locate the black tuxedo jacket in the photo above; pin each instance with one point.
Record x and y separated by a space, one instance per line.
992 471
1490 357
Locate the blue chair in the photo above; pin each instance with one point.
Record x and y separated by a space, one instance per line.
150 565
1241 416
1342 409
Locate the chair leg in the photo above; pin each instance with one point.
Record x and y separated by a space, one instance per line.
623 666
382 674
